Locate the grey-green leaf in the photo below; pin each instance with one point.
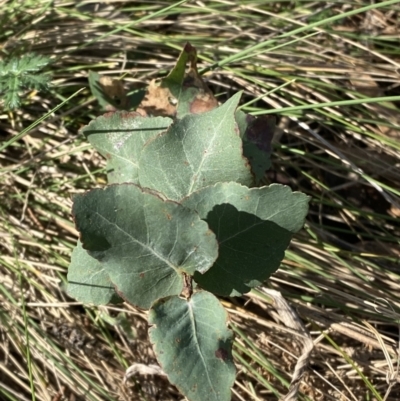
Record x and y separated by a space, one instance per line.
253 228
143 242
193 346
119 137
88 282
197 151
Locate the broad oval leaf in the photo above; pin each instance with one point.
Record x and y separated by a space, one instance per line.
119 137
88 282
193 345
253 227
195 152
143 242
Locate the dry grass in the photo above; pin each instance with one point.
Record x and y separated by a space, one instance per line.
341 273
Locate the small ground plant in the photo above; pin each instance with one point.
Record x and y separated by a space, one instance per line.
183 220
21 73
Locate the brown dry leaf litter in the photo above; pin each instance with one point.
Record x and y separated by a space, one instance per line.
114 89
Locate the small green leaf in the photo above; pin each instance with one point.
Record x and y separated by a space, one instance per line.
119 137
197 151
193 346
253 228
88 282
174 80
144 243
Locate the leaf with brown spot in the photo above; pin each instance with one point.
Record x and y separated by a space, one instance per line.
179 93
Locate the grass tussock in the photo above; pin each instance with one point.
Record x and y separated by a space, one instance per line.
330 70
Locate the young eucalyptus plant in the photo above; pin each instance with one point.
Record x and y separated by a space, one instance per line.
183 221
